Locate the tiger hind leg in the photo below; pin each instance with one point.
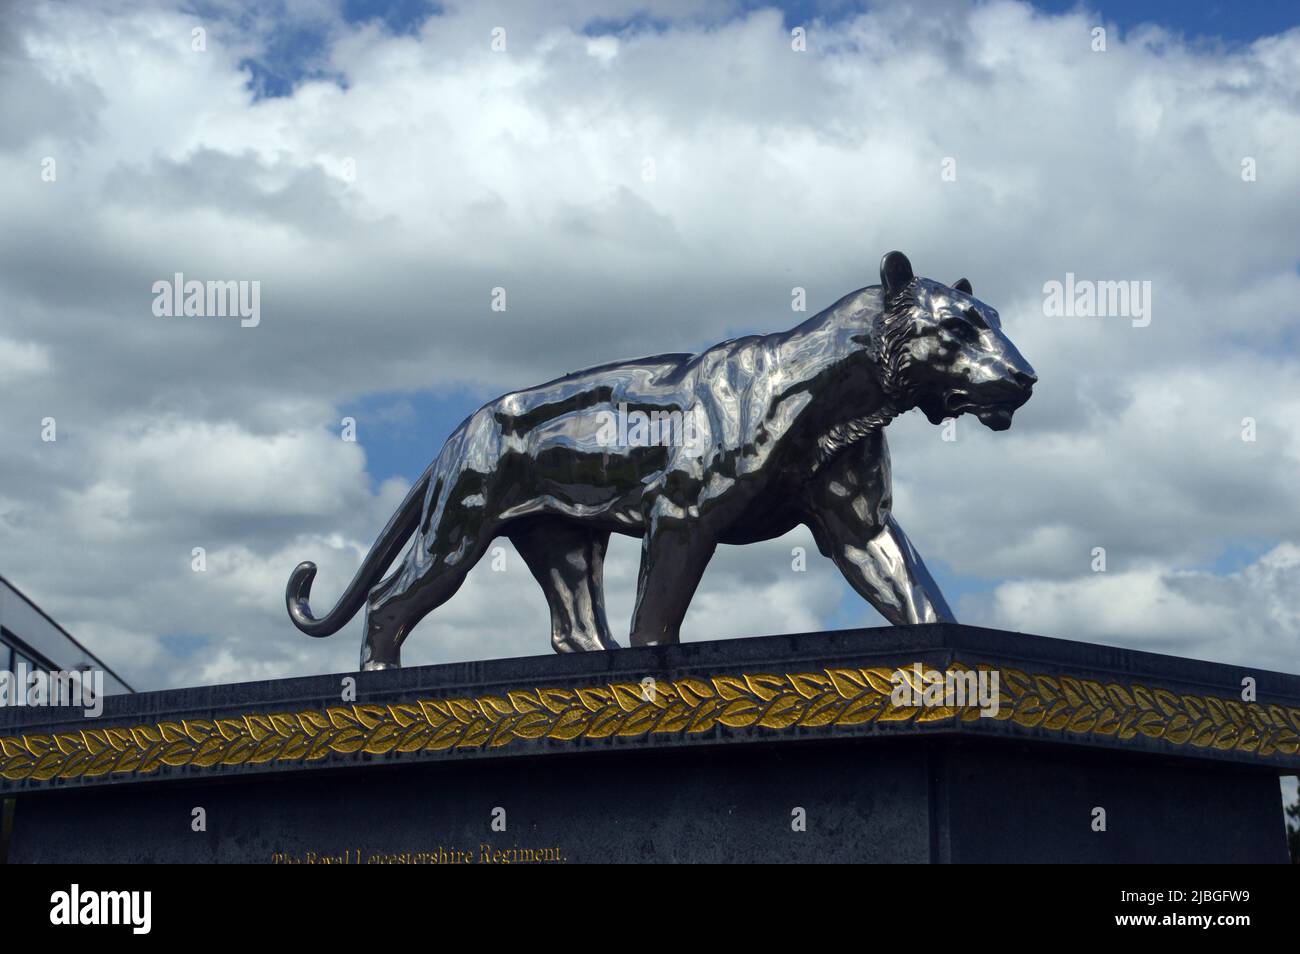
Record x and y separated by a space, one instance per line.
568 560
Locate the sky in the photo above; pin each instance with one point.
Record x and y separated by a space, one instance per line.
640 179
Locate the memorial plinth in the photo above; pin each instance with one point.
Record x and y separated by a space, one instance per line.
779 748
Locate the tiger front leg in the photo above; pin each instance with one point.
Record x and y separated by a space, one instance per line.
885 569
674 554
848 507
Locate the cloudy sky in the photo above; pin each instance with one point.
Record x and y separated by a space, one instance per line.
640 178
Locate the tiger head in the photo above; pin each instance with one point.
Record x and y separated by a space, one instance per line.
944 351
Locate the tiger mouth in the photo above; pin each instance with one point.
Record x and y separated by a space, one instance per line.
996 417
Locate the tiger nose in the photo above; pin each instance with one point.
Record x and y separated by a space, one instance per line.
1024 377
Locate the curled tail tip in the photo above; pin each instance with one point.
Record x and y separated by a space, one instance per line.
300 582
297 595
386 549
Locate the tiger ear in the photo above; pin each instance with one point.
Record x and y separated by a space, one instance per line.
963 285
895 273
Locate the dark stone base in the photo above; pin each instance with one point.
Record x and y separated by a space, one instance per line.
865 801
709 766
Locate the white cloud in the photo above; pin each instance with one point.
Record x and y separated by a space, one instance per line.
528 170
1248 617
19 359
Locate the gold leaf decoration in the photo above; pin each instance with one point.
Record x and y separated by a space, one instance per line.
830 699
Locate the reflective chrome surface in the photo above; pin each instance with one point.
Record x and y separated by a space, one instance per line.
739 443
